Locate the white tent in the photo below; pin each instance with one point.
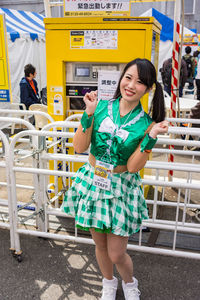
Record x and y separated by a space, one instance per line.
166 35
26 44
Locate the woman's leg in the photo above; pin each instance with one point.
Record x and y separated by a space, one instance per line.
104 261
117 246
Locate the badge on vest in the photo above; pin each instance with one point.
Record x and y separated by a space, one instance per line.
102 175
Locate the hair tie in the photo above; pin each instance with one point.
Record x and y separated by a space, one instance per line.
154 85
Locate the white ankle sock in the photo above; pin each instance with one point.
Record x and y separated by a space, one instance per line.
109 280
134 283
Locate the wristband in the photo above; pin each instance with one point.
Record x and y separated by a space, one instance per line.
147 143
86 121
90 115
147 151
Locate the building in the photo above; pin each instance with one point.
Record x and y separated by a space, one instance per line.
27 5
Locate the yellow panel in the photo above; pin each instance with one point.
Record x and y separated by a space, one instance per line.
2 73
104 23
1 43
4 64
128 42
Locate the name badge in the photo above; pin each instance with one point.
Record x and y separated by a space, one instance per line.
102 175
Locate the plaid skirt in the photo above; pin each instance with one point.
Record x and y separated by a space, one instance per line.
119 210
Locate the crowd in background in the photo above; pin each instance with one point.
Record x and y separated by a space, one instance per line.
189 74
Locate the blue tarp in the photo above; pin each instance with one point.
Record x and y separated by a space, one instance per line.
20 22
167 25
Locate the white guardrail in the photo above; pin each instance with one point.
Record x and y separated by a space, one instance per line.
46 161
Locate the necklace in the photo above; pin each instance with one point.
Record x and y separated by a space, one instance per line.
140 113
128 115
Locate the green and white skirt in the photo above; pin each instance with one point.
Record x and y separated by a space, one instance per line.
119 210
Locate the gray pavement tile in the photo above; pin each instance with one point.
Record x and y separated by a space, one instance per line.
54 270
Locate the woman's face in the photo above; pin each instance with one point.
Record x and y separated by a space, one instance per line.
131 88
31 76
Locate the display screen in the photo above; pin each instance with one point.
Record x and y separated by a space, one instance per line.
82 72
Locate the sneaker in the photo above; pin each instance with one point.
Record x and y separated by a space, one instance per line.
109 289
131 291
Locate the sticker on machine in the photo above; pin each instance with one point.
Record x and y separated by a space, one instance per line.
58 104
93 39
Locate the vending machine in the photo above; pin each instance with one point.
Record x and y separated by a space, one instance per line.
78 48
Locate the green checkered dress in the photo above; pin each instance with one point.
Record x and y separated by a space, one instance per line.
120 210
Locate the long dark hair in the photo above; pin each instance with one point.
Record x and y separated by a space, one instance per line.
147 75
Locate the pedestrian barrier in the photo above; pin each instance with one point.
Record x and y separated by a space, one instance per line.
7 209
173 204
6 202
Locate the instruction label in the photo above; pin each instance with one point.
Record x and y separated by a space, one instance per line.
5 95
94 39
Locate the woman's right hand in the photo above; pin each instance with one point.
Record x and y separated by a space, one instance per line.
90 100
159 128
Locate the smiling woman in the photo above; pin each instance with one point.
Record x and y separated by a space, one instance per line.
132 90
141 75
106 196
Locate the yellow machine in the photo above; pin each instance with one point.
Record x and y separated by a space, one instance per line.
5 94
77 48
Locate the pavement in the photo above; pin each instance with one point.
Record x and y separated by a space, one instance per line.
56 270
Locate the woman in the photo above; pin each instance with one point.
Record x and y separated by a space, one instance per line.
28 87
106 195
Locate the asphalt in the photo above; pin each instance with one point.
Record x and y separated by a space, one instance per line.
55 270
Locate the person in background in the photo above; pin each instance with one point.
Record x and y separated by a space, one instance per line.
196 59
106 196
190 61
28 87
195 110
166 74
197 78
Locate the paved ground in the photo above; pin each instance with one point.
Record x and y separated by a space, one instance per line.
53 270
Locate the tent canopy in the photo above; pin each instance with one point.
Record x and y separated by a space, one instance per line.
26 45
22 23
167 24
166 35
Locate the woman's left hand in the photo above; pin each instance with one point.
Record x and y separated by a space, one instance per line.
159 128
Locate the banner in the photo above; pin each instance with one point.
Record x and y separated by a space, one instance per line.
193 39
88 8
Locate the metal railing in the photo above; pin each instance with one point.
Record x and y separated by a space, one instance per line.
46 213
